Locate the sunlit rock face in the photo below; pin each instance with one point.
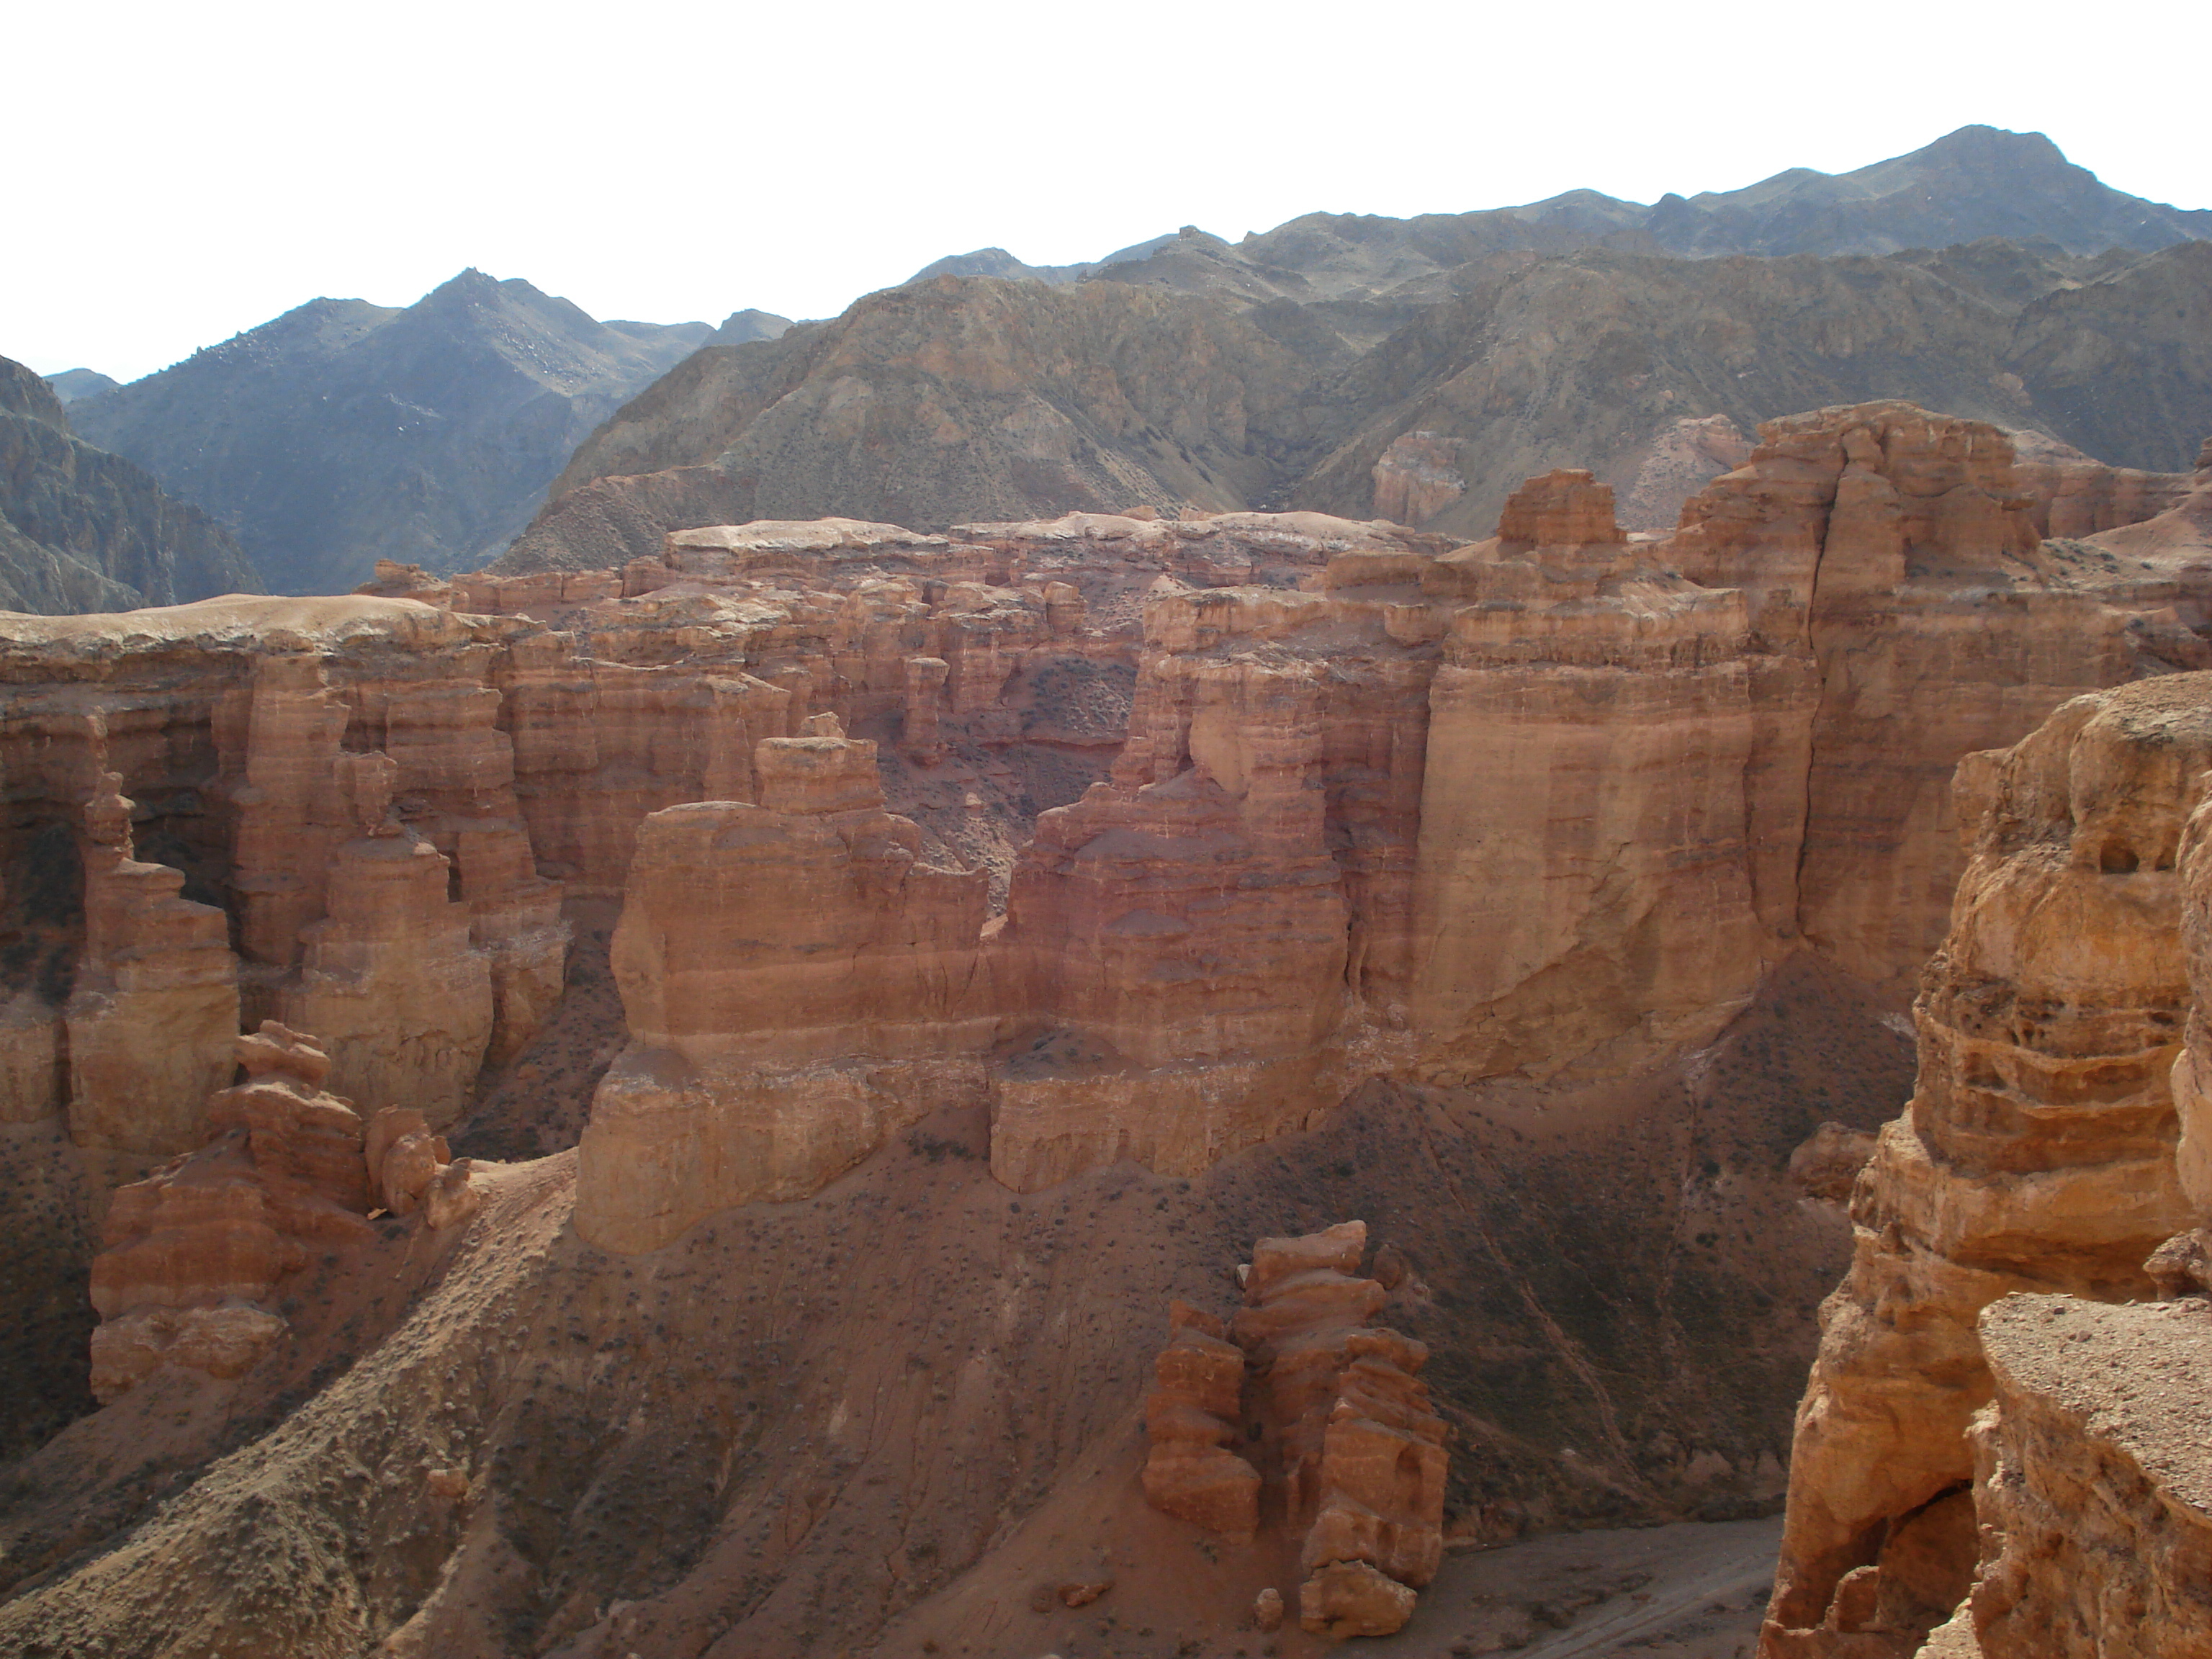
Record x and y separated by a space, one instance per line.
799 985
1147 838
2037 1154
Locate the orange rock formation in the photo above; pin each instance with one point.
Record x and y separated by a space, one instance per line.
1195 1418
193 1252
2037 1154
156 1005
1313 801
798 986
1337 1416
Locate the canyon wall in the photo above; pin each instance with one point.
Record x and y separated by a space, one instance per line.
884 1057
2036 1163
1151 838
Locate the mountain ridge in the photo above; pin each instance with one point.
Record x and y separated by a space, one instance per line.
1616 360
1961 188
342 431
84 530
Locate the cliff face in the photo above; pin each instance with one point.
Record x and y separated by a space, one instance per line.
2036 1158
2089 1480
83 530
1550 804
295 769
343 432
972 883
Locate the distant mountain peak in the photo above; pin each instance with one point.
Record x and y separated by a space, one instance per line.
343 432
72 384
1977 142
1971 184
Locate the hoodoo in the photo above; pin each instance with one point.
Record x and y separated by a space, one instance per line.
1331 1407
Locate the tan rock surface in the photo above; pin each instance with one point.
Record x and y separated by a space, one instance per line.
2090 1480
1330 1422
1194 1419
1266 903
1591 731
1350 1598
1828 1165
2036 1152
155 1009
191 1253
270 742
1417 478
1871 541
798 987
389 974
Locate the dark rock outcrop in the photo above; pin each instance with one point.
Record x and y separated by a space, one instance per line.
83 530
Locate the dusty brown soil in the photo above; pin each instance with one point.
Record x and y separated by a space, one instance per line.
1689 1590
538 1103
884 1420
45 1255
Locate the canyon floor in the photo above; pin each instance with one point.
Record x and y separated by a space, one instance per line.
896 1416
1687 1591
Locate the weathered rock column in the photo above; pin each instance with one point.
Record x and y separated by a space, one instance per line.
2037 1154
394 956
154 1010
798 987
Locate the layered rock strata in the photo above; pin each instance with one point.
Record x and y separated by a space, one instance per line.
154 1007
1194 1419
308 812
1333 1410
1272 803
2090 1481
2037 1154
192 1254
798 987
1881 549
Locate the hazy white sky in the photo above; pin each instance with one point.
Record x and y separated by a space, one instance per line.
185 171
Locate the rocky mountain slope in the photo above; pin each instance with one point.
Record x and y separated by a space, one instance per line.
1623 362
72 384
83 530
1420 367
949 949
342 432
961 398
967 397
